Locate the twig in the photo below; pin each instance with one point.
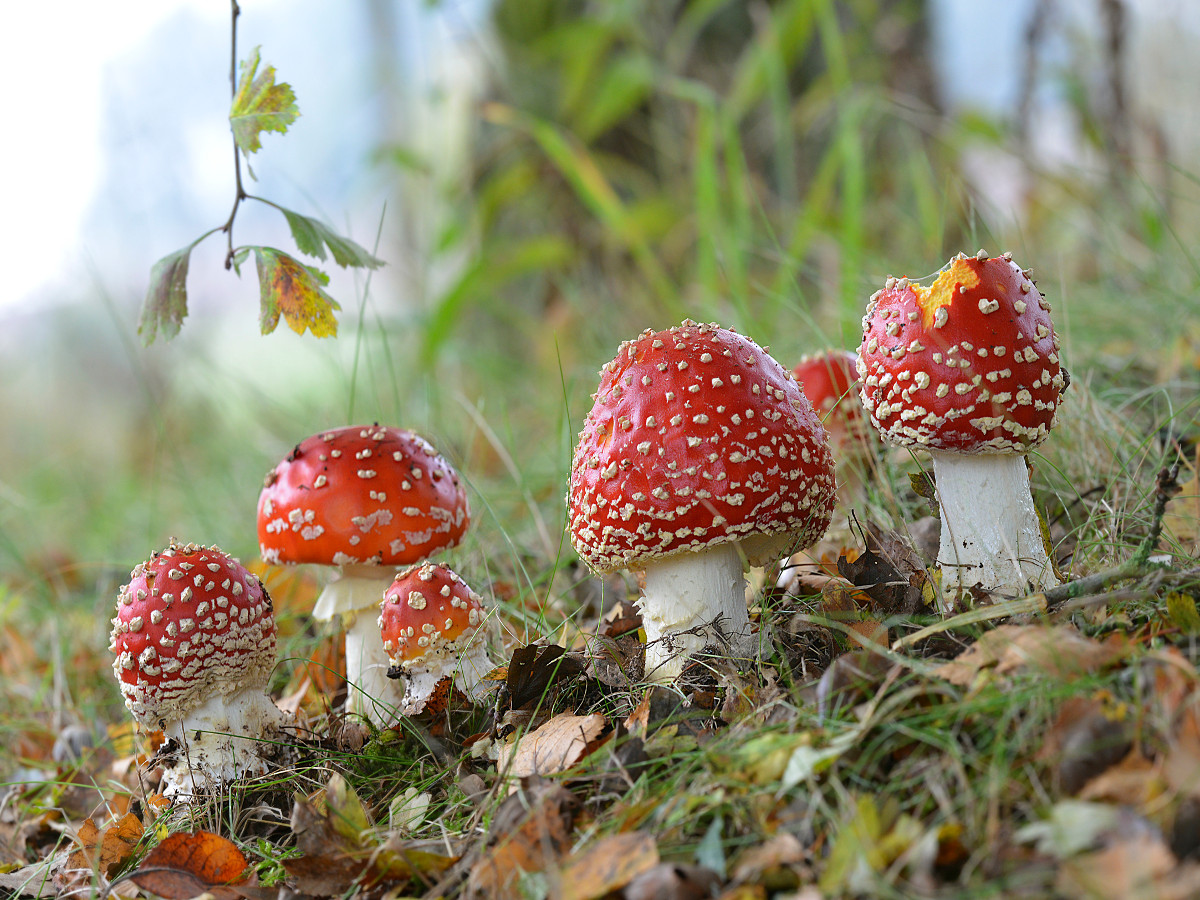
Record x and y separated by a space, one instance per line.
240 194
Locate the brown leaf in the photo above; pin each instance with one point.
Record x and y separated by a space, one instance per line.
1139 867
531 831
534 668
188 864
1083 741
1059 652
889 572
674 881
106 851
554 747
608 865
773 863
1181 521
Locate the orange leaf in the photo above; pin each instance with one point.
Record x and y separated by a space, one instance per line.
107 850
187 864
608 865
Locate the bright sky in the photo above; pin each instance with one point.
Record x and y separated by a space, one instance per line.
51 76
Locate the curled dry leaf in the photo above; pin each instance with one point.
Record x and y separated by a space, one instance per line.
554 747
674 881
1059 652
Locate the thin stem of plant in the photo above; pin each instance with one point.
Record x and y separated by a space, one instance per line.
240 194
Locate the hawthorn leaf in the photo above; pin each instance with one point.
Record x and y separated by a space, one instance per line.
260 105
165 306
289 287
313 236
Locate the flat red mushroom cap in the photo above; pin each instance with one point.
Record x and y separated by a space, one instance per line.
426 607
191 623
969 364
697 437
361 495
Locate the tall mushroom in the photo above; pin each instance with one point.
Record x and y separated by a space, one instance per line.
700 450
430 622
968 369
367 500
194 638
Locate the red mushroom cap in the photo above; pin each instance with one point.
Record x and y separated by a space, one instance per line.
191 623
697 437
361 495
830 382
969 364
426 607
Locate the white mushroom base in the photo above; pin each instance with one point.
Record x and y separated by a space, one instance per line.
990 531
466 666
701 593
229 737
355 595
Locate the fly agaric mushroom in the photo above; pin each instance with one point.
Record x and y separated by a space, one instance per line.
968 369
368 500
700 449
830 382
194 638
430 626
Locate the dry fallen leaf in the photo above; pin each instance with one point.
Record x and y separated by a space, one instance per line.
106 850
1137 868
1059 652
531 831
1181 521
608 865
189 864
554 747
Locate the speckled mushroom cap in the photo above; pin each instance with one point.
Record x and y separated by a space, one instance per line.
191 624
361 495
427 608
830 382
969 364
697 437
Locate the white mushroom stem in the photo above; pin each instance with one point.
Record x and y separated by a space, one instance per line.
230 736
990 531
703 593
466 666
354 595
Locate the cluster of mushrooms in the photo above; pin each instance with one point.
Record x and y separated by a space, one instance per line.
700 456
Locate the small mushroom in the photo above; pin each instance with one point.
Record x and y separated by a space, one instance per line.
430 624
194 639
968 368
700 450
367 500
